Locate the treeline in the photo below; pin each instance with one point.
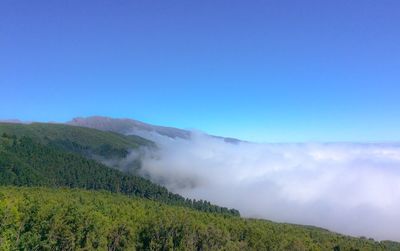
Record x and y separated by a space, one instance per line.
25 162
72 219
84 141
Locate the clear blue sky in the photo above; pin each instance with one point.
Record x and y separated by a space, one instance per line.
282 70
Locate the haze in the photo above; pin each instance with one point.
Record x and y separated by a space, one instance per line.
260 71
345 187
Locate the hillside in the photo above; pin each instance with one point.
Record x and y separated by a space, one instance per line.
55 196
71 219
128 126
85 141
135 127
25 162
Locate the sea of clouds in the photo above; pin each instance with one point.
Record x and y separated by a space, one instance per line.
344 187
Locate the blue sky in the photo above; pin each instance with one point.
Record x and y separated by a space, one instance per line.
269 71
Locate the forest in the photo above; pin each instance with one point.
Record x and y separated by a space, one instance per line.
24 162
75 219
54 195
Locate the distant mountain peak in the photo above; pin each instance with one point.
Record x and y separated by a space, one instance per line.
14 121
127 126
131 126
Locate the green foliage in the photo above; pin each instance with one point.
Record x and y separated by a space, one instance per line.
149 218
23 162
81 140
73 219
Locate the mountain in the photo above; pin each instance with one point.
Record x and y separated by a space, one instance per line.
85 141
135 127
54 195
53 155
128 126
14 121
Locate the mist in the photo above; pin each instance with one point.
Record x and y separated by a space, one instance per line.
345 187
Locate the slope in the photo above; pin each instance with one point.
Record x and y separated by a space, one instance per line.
25 162
135 127
71 219
85 141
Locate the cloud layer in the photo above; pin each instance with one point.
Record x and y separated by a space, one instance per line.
348 188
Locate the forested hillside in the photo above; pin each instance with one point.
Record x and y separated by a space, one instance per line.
55 196
24 162
70 219
85 141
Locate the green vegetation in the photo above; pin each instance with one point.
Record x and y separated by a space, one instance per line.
71 219
23 162
54 196
81 140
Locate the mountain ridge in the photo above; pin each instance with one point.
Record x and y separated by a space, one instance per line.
29 153
136 127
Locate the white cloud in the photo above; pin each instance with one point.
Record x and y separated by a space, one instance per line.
348 188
